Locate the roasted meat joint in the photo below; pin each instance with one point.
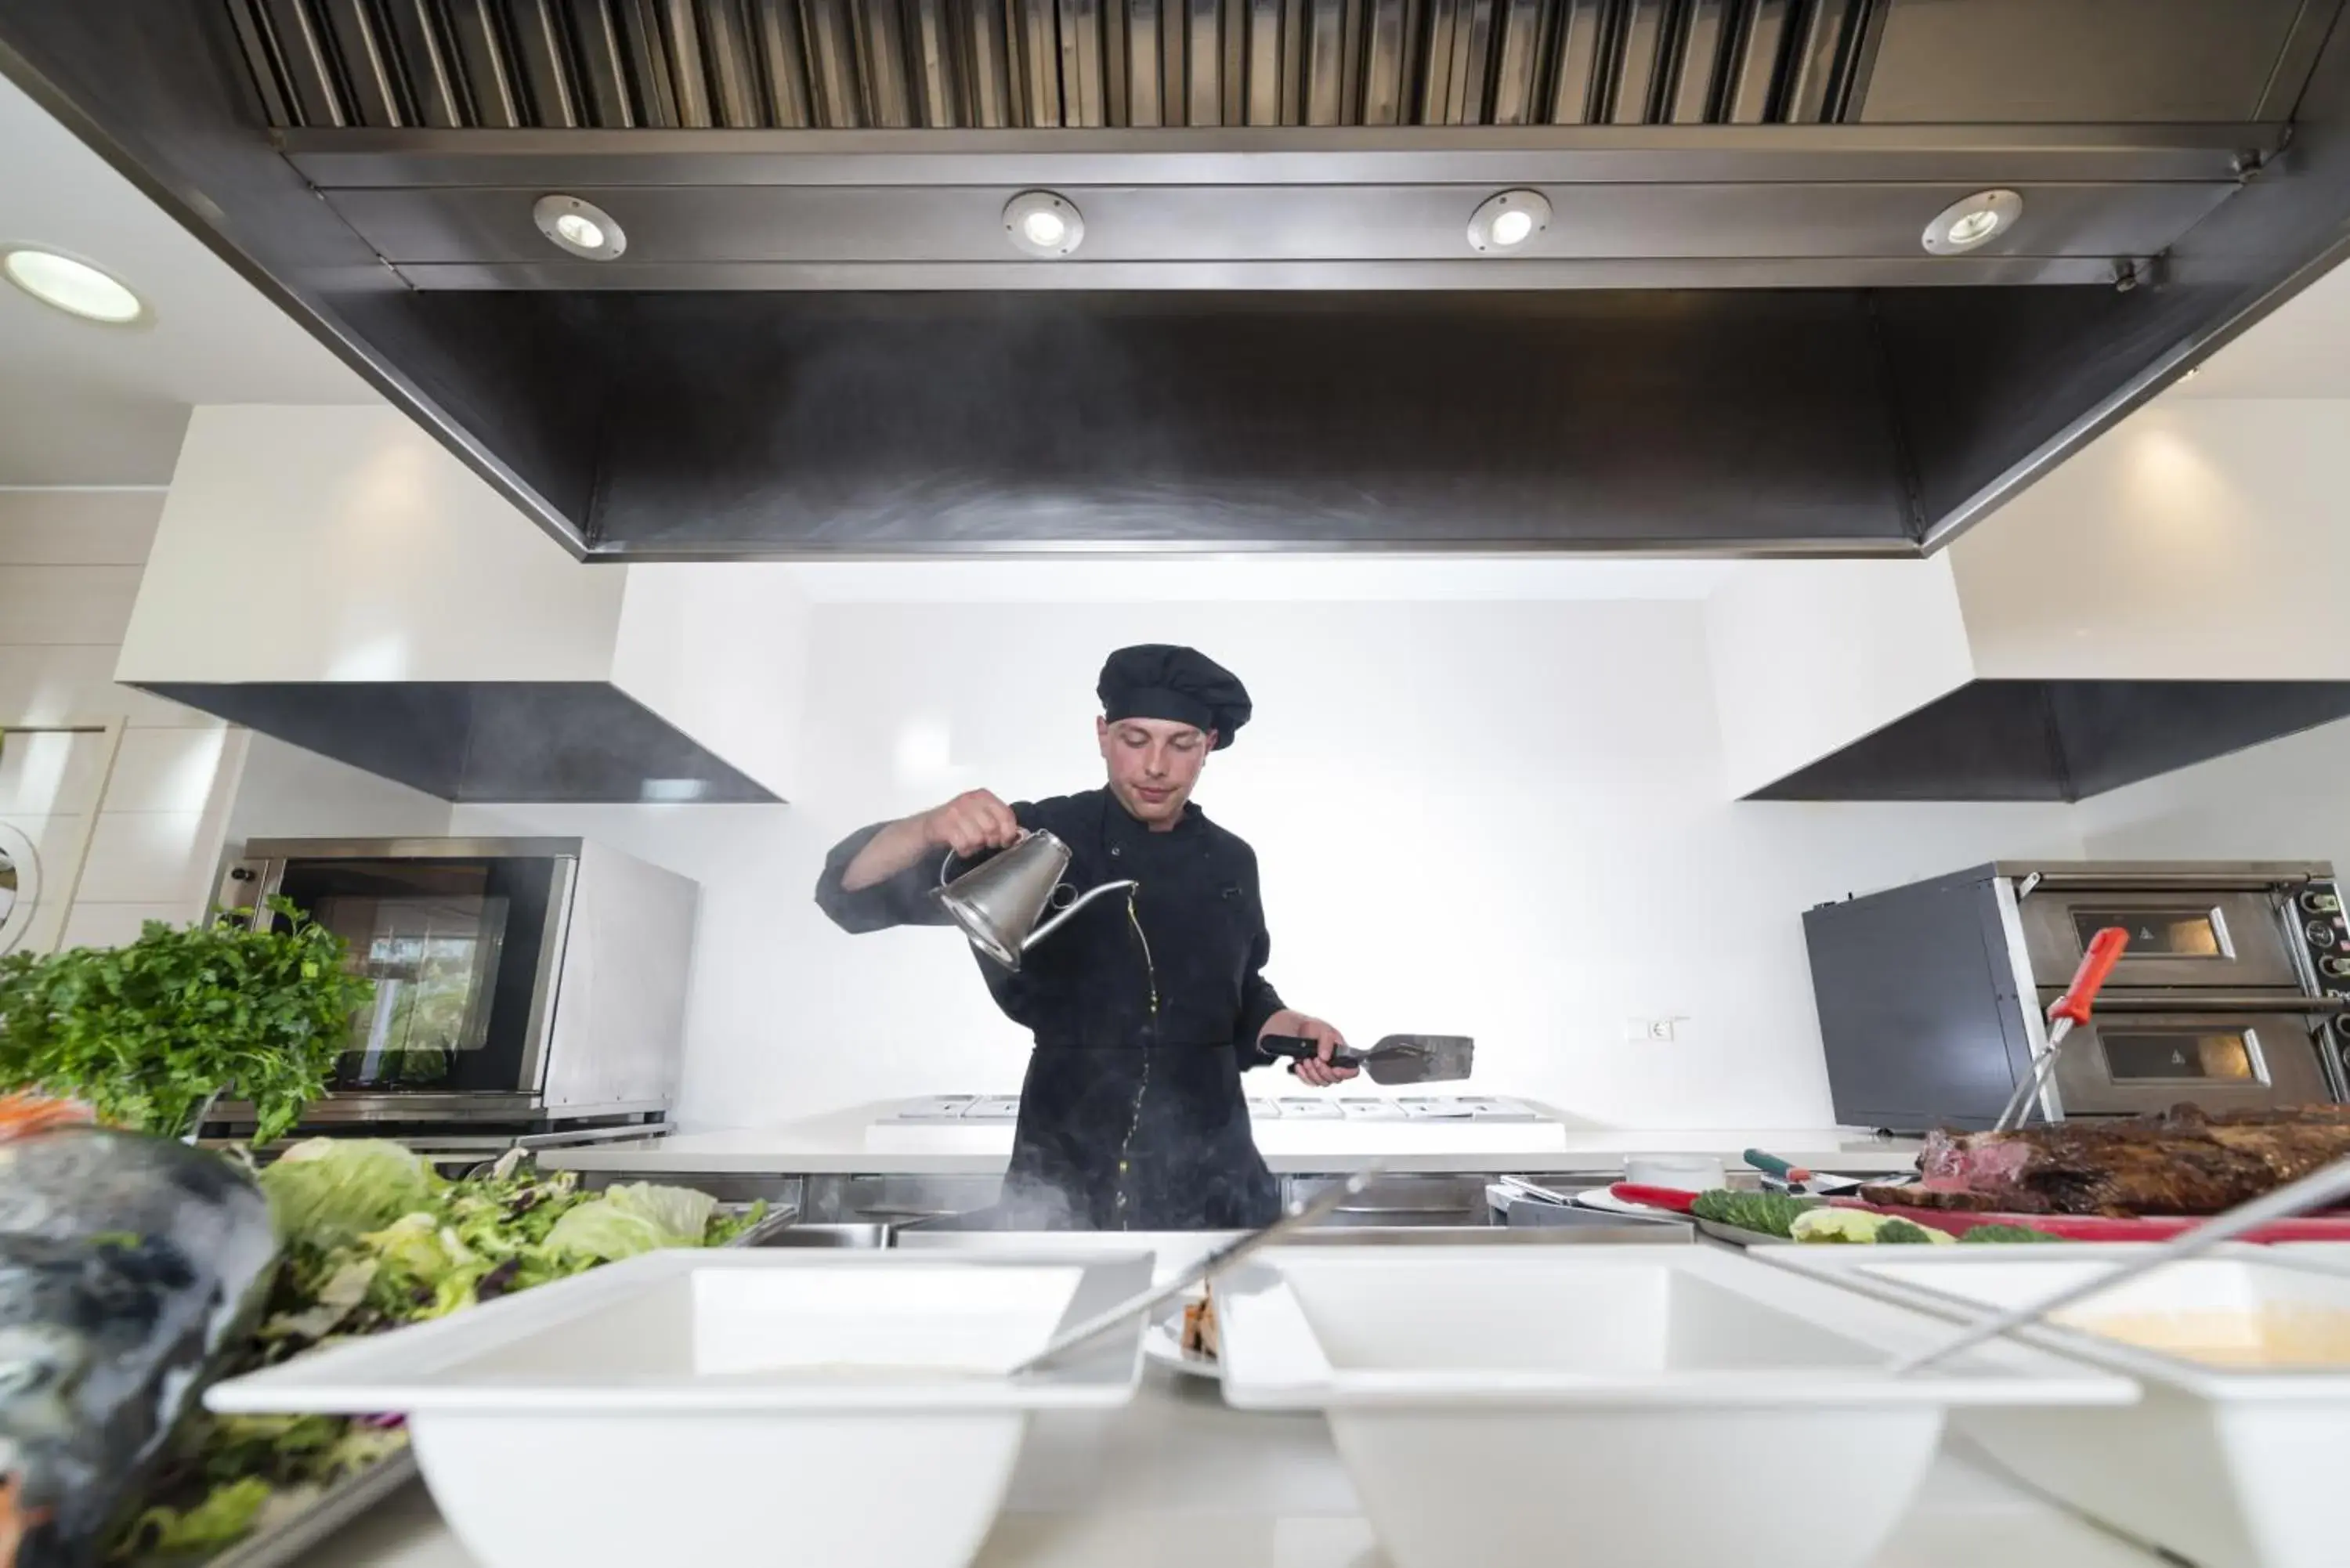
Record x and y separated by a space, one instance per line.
2184 1160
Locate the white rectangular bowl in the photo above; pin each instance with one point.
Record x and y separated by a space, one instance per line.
2229 1469
1692 1387
701 1407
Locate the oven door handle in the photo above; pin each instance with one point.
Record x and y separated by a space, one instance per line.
2213 1003
2160 881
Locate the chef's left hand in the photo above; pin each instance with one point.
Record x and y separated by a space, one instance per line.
1320 1072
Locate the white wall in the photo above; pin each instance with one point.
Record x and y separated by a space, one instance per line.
1501 818
133 828
287 792
1809 656
2200 540
343 544
2286 800
136 830
720 651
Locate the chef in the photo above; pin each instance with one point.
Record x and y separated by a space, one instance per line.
1146 1010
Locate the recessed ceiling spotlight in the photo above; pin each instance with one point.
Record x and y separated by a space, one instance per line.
581 227
1508 221
1043 224
73 286
1962 226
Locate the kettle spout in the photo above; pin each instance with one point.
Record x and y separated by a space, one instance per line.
1061 918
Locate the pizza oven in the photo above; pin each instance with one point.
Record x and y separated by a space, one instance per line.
1932 997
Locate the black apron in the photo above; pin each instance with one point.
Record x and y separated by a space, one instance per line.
1144 1012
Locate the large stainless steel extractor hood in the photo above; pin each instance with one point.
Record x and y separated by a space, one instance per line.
819 337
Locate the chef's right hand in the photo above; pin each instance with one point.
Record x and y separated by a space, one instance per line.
972 823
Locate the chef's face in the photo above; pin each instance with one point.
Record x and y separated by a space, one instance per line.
1153 765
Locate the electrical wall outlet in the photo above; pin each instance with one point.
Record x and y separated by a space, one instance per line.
1653 1031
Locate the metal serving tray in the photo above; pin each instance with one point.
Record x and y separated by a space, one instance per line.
1739 1235
340 1504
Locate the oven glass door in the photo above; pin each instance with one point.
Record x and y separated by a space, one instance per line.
455 949
2128 1063
2233 941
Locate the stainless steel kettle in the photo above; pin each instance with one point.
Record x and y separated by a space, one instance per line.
999 901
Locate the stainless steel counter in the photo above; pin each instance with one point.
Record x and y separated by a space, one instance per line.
840 1144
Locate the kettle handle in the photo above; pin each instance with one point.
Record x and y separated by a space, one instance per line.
946 867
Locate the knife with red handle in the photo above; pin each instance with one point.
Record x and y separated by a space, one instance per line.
1671 1197
2106 950
2065 1013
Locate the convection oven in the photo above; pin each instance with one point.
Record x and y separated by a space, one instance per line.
522 982
1932 996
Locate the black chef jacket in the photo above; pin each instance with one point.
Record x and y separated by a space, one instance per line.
1145 1014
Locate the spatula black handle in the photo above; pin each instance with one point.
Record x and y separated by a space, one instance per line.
1306 1049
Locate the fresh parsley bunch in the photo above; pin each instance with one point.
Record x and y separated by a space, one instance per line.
145 1035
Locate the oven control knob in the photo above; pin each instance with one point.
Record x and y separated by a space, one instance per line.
2321 903
2337 967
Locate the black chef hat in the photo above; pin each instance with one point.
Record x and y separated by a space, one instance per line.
1157 681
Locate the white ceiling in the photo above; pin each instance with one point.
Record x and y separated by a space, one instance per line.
85 404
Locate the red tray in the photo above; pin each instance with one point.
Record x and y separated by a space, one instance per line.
2334 1227
2095 1227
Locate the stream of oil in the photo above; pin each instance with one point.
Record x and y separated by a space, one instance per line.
1142 1082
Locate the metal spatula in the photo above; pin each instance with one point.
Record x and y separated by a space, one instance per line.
1398 1059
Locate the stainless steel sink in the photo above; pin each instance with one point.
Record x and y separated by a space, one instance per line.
1190 1243
1629 1232
864 1237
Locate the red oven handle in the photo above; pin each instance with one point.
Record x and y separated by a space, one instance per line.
2104 952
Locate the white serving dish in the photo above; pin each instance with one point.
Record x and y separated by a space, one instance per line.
1674 1172
1702 1384
682 1406
2231 1468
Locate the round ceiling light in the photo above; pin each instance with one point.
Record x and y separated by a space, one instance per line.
1044 224
1963 225
1508 221
73 286
581 227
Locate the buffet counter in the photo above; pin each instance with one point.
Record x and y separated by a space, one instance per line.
886 1137
1176 1479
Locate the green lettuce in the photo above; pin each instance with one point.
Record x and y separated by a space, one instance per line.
634 1217
411 1250
375 1240
1771 1213
326 1192
222 1519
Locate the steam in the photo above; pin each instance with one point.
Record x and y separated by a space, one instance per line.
1031 1203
